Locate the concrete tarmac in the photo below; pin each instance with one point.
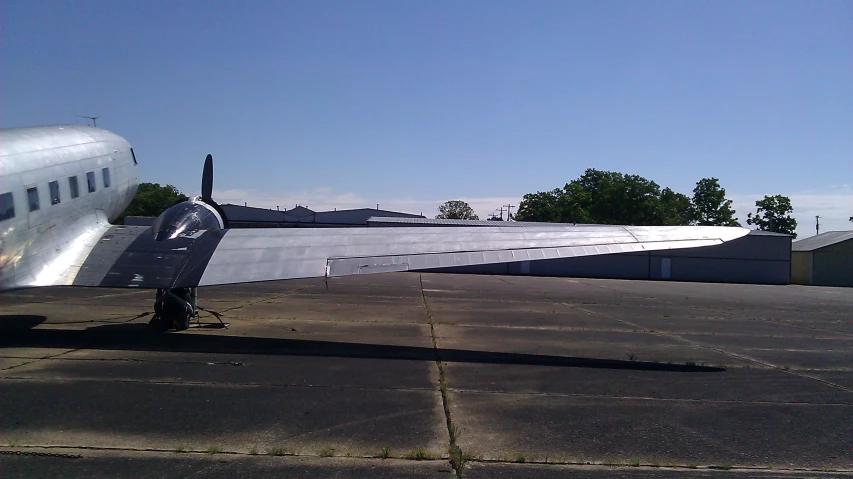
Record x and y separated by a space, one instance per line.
432 375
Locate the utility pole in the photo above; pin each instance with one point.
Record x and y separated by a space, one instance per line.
817 225
509 212
502 213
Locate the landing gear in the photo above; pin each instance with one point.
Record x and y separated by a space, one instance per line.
177 309
174 308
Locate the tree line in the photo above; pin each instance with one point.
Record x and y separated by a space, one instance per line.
609 197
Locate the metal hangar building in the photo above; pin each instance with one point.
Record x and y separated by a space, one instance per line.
760 257
823 260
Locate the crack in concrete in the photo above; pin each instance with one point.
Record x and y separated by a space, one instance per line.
35 360
646 398
577 465
722 351
236 385
456 457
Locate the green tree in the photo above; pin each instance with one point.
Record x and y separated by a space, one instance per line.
607 197
710 206
676 209
773 215
152 199
542 207
456 210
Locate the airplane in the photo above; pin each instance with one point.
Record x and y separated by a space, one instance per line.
62 186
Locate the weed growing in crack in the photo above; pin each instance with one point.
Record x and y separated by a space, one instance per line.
276 451
419 455
213 450
454 433
457 459
327 452
385 453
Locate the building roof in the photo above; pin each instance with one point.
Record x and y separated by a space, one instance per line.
822 240
303 215
767 233
378 220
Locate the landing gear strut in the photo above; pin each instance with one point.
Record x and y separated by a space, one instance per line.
175 308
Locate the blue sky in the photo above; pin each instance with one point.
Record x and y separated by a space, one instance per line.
407 104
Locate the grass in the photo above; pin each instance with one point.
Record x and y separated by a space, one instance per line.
521 459
454 433
419 455
253 451
385 453
327 452
634 464
457 459
214 450
276 451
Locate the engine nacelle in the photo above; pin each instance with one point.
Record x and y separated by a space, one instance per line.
185 219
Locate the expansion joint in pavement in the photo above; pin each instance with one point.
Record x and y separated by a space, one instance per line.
457 460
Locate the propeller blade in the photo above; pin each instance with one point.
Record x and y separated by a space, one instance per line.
207 178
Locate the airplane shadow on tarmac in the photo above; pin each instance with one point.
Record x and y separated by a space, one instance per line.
17 331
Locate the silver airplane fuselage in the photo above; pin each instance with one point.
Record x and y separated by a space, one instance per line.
60 187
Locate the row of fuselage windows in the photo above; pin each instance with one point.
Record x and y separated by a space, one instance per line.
7 203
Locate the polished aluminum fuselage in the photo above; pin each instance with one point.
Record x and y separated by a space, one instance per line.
47 246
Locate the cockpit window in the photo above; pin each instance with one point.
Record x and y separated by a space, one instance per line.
7 206
134 157
184 219
54 192
33 197
90 179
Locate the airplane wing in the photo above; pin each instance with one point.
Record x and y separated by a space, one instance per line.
130 257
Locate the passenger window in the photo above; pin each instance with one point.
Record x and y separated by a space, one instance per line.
7 206
75 188
90 179
33 197
54 192
134 156
106 172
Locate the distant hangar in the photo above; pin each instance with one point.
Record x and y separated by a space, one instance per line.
823 260
760 257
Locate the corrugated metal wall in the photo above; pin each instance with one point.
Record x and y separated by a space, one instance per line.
833 265
758 258
801 267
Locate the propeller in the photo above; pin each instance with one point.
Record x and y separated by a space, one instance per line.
207 180
207 188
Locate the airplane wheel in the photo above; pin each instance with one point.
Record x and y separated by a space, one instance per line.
158 323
